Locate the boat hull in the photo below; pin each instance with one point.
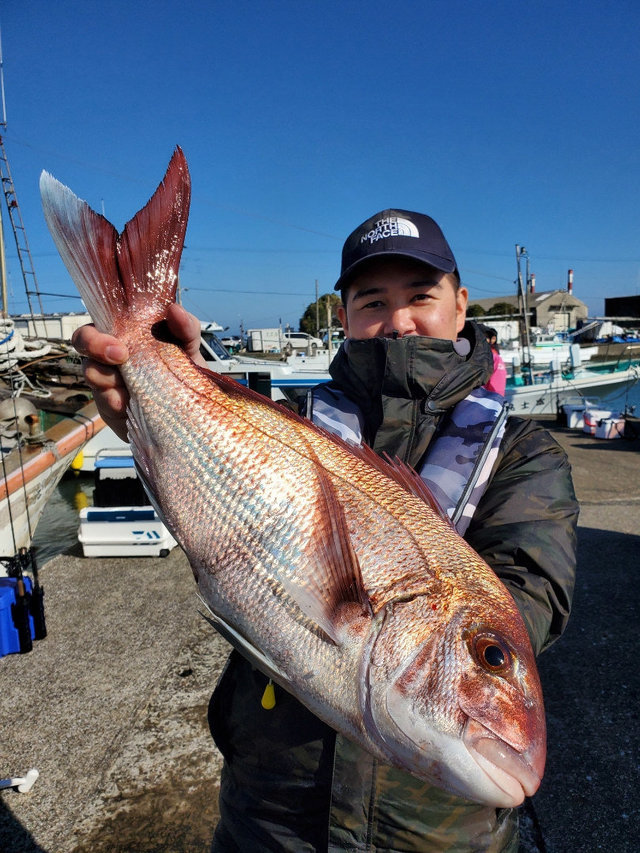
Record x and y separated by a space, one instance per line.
545 398
31 473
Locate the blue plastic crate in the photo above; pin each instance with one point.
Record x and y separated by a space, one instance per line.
9 638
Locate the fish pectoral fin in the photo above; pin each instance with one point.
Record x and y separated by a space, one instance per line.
243 645
330 590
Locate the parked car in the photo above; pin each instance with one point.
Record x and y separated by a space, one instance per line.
301 340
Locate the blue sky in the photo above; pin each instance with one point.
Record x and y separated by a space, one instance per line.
507 122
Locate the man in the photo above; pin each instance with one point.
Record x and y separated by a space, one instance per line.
409 381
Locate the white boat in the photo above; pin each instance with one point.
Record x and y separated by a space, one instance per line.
532 390
550 390
280 380
543 353
31 471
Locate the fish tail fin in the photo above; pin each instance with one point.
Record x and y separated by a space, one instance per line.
121 275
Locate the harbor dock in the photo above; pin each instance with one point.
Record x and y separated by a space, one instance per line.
111 707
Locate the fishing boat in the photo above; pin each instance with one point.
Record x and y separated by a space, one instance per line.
542 353
533 389
279 380
32 470
544 392
37 447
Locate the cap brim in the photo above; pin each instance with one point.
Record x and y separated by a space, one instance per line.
442 264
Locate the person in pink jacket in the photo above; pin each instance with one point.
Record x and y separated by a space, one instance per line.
498 381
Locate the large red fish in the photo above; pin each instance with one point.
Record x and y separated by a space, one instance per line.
326 566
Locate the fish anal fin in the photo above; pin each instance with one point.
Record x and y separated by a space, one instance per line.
246 648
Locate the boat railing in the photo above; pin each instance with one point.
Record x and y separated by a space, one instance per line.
630 353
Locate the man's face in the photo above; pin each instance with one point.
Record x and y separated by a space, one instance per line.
403 296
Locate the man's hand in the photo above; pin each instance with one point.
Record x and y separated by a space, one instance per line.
103 354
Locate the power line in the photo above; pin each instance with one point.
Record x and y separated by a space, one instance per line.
236 290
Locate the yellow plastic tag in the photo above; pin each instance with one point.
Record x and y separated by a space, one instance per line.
268 697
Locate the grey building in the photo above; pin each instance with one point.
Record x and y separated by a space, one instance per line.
552 310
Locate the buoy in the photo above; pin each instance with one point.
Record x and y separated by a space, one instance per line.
78 460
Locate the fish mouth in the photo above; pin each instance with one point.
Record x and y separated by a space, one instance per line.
516 774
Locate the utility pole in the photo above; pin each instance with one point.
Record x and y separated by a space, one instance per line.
523 303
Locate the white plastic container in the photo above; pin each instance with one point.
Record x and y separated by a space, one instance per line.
610 428
591 418
123 531
574 414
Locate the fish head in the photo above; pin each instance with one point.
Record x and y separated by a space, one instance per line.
458 702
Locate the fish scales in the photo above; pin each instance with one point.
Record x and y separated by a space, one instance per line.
246 557
327 567
266 552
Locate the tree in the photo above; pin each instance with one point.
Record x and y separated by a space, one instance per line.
502 308
315 315
475 310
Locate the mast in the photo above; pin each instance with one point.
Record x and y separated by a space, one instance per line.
3 273
17 224
4 302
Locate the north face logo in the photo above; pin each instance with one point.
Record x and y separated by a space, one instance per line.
390 226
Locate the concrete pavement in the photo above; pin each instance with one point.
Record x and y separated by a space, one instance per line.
111 706
588 799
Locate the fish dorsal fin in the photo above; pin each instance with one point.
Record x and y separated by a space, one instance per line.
401 474
413 483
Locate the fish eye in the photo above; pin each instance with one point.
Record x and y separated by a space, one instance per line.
494 656
491 653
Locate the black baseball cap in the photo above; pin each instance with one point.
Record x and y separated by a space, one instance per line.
396 232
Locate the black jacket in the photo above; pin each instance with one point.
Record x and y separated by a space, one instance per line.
288 782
